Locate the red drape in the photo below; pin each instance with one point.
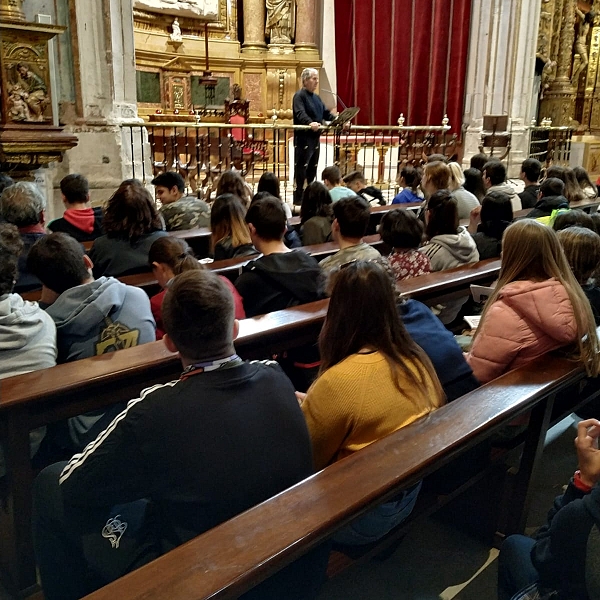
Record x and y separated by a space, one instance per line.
403 56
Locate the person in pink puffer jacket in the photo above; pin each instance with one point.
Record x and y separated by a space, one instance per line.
537 307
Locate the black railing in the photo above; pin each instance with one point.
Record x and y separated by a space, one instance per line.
200 152
551 145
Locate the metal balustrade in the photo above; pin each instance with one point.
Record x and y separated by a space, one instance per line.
201 151
550 145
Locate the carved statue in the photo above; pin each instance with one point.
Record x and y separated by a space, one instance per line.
176 34
280 23
548 76
28 95
585 20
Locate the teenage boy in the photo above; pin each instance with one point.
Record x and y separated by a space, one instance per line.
182 458
531 170
179 211
280 277
79 220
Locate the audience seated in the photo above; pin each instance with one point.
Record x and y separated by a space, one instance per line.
436 176
351 219
357 183
561 560
332 179
494 178
550 199
132 225
230 236
281 277
269 182
583 179
168 257
402 231
79 220
572 191
474 183
231 182
536 307
373 381
582 249
92 317
478 161
179 211
410 182
568 217
181 459
488 223
315 214
27 333
449 244
23 205
531 170
466 201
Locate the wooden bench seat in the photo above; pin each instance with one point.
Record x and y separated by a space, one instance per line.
232 558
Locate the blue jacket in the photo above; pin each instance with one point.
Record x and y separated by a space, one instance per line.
439 344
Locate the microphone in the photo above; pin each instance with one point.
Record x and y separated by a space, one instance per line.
334 94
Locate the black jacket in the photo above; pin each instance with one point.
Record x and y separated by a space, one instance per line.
546 205
63 226
372 195
529 196
309 108
280 280
488 246
567 551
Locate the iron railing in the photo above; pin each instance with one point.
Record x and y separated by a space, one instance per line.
550 145
200 152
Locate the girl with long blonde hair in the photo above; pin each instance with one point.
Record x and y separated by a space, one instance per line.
537 306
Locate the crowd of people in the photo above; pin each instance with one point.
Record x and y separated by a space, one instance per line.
192 453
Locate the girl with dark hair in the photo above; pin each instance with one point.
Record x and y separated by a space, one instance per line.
373 380
316 214
449 245
168 257
231 182
131 224
269 182
586 185
474 183
573 193
488 223
402 230
410 181
230 236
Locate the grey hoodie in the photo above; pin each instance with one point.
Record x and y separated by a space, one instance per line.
510 191
27 343
451 250
99 317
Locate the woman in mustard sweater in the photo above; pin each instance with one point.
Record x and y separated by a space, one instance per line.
373 381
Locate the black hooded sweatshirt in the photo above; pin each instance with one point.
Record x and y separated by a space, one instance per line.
278 281
546 205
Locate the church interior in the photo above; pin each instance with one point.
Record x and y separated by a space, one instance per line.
121 90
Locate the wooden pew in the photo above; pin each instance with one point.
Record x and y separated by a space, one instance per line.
232 558
50 395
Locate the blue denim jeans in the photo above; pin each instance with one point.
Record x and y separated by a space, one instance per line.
515 569
380 520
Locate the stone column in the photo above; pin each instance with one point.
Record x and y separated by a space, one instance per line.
500 72
254 26
559 101
306 25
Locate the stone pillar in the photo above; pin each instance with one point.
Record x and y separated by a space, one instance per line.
500 72
306 25
254 26
559 101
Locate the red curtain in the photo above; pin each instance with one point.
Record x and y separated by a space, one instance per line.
403 56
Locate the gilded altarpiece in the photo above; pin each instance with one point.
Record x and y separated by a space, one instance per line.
268 76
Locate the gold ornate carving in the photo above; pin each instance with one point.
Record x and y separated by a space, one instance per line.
11 10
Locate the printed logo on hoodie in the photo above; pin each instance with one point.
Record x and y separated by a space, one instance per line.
116 336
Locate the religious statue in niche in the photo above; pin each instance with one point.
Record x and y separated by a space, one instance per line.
176 32
27 94
585 20
280 21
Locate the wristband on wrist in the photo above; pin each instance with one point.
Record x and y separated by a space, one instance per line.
579 484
